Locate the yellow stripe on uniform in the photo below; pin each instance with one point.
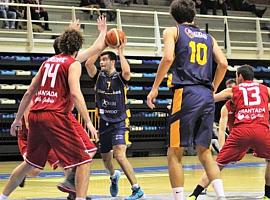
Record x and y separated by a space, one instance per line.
169 81
127 132
177 100
175 126
175 134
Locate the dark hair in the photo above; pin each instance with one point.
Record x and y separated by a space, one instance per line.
56 45
183 11
230 81
70 41
246 71
111 55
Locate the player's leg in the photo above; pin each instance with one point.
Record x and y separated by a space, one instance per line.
16 178
267 181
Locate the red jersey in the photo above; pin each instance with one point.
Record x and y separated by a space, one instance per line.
54 93
231 112
251 104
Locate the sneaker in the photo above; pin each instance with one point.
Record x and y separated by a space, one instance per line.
67 187
266 198
22 183
114 183
191 198
137 193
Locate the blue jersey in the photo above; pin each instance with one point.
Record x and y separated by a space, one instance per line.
111 97
193 58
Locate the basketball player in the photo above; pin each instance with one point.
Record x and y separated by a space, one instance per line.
189 52
57 87
251 124
111 88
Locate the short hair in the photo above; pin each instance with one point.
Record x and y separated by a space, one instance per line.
70 41
56 45
230 81
111 55
183 11
246 71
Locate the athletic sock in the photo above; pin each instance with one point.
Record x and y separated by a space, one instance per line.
135 186
79 198
267 191
3 197
197 191
218 187
178 193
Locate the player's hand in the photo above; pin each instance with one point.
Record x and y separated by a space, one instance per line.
93 132
101 23
120 49
15 126
75 25
151 98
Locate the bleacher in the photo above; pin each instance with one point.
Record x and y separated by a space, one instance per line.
144 29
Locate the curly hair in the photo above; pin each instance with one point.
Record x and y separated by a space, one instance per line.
183 11
70 41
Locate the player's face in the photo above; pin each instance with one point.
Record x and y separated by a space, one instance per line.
238 78
105 63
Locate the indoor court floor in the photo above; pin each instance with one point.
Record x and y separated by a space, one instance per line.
244 180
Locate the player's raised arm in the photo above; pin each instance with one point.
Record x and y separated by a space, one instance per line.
223 95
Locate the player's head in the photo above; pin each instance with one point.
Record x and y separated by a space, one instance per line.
230 83
70 42
183 11
244 73
107 60
56 45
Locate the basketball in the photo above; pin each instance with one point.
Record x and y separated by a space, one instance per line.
115 37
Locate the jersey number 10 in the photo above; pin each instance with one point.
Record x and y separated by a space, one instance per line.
196 51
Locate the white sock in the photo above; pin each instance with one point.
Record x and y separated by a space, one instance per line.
3 197
178 193
135 186
79 198
217 184
112 176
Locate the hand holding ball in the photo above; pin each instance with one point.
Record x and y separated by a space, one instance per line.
115 37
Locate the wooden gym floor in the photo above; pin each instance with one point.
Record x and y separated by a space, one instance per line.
244 180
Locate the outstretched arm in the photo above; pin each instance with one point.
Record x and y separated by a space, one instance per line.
223 95
99 45
222 125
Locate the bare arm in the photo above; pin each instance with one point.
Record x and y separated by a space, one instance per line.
124 63
25 103
99 45
90 65
169 36
74 75
223 95
222 65
222 125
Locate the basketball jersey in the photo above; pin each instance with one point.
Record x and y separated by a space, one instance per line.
111 97
251 104
231 111
192 64
54 94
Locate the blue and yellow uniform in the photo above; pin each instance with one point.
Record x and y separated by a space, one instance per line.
112 108
192 113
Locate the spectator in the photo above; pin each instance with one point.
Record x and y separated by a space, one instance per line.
91 4
111 15
248 6
145 2
6 13
37 13
206 4
19 12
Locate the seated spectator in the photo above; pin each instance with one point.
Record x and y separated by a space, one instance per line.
6 13
91 4
207 4
37 13
111 15
248 6
19 12
145 2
